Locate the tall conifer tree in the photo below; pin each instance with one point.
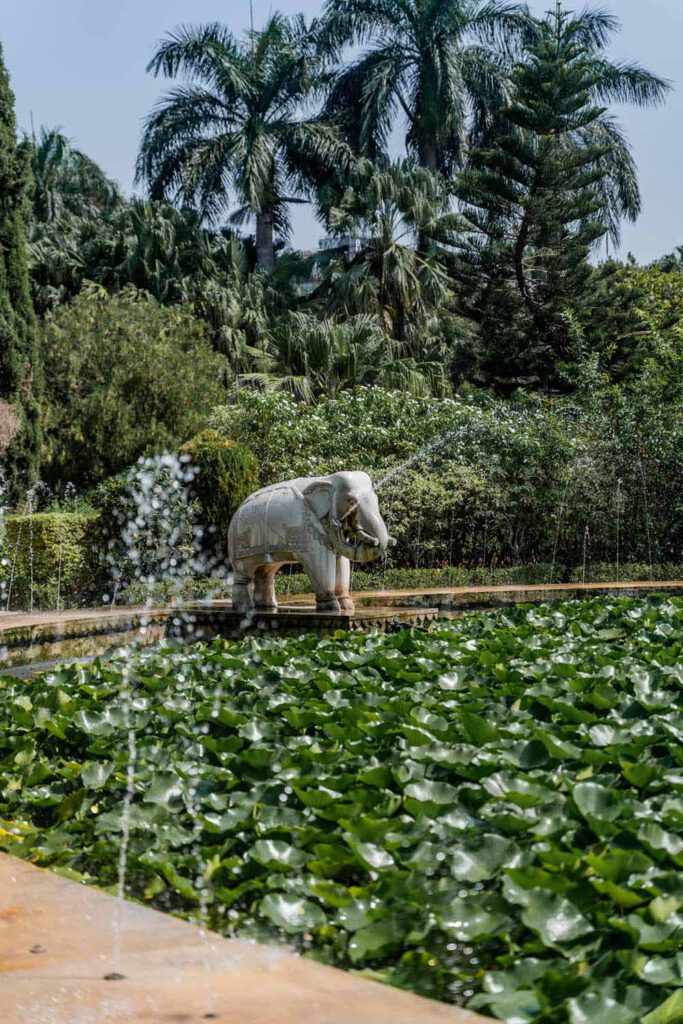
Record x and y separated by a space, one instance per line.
20 369
540 197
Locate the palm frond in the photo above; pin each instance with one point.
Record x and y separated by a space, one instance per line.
207 53
345 22
621 82
500 23
618 187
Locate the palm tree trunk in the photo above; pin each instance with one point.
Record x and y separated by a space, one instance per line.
429 154
265 247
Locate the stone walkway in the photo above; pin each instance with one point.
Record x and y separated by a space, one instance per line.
387 598
20 620
31 642
56 942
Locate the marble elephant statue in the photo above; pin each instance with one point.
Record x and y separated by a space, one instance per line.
323 523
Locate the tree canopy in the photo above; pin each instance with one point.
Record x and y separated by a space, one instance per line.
20 367
237 127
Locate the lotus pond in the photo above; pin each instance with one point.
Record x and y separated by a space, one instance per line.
488 811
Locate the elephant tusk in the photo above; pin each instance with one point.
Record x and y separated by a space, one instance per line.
391 542
367 539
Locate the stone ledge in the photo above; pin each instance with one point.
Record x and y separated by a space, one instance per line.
56 943
45 637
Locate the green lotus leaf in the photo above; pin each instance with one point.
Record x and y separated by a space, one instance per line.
163 788
375 940
668 1012
427 797
599 1008
359 913
518 790
168 869
596 801
274 853
554 918
661 841
653 938
521 1006
373 856
659 971
478 730
292 913
481 858
96 773
474 919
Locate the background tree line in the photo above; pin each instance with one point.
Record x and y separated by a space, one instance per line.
474 259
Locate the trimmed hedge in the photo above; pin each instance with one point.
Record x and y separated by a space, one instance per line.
67 570
460 576
63 567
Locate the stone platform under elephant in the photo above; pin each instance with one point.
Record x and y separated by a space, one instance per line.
203 622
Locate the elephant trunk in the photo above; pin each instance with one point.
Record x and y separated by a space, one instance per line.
371 529
357 551
361 534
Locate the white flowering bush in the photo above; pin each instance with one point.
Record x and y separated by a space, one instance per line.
489 481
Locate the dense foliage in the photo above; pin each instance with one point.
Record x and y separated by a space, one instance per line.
20 366
147 529
126 377
48 560
483 481
464 261
222 474
487 811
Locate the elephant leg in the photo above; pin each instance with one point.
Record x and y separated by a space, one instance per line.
321 566
264 588
241 593
342 584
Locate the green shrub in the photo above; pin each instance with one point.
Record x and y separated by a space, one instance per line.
49 560
486 576
127 377
147 530
177 591
223 474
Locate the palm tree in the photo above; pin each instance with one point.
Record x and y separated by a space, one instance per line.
388 210
309 358
237 126
441 63
66 182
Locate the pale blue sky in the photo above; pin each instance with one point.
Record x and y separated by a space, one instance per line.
80 64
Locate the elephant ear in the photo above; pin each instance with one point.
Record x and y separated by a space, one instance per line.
319 495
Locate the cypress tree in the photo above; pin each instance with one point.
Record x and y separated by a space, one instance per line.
535 206
20 369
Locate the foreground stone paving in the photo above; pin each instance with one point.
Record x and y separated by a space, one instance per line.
56 946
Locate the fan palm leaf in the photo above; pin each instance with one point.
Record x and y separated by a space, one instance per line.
66 182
